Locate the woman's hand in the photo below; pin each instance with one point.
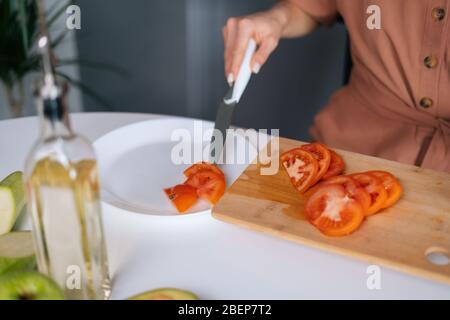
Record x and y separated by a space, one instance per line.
285 19
263 27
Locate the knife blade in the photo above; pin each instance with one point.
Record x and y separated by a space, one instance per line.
224 115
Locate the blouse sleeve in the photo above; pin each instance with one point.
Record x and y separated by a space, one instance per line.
323 11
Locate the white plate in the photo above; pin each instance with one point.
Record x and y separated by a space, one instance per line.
135 164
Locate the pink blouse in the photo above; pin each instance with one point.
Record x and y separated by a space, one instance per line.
397 103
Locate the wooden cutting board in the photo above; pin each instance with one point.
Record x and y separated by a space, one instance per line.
402 237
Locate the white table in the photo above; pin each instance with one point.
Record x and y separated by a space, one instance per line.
211 258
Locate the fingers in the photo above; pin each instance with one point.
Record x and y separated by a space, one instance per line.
229 34
262 54
237 34
239 44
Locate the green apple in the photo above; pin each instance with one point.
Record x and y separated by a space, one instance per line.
28 286
16 252
165 294
12 200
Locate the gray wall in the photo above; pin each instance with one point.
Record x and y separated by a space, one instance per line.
173 50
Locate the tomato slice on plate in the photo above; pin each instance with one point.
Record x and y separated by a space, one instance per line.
376 190
210 185
333 212
182 196
337 166
322 155
301 167
392 186
353 188
201 166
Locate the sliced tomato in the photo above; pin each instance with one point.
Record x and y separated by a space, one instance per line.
333 212
201 166
374 187
182 196
321 153
301 167
337 166
392 186
353 188
210 185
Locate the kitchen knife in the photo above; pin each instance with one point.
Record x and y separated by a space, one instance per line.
226 108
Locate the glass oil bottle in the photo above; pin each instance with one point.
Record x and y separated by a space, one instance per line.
63 197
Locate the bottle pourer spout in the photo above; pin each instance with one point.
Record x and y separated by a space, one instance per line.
49 89
46 59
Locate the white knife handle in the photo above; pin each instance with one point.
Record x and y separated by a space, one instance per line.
244 73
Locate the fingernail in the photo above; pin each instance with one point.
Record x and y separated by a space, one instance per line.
256 68
230 79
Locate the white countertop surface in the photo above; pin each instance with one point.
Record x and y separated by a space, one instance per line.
211 258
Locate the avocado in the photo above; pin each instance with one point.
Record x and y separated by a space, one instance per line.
12 201
16 252
165 294
28 286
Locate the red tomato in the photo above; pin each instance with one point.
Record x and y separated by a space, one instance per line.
201 166
333 212
353 189
322 155
210 185
391 185
301 167
376 190
337 166
182 196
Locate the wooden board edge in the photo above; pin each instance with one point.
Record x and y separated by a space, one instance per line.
400 267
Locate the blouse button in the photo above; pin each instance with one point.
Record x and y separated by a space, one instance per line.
438 14
426 103
430 62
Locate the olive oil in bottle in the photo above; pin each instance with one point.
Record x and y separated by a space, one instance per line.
63 199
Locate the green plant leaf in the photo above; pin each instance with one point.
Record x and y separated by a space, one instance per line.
23 25
58 13
59 38
91 93
95 65
19 31
51 10
17 24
